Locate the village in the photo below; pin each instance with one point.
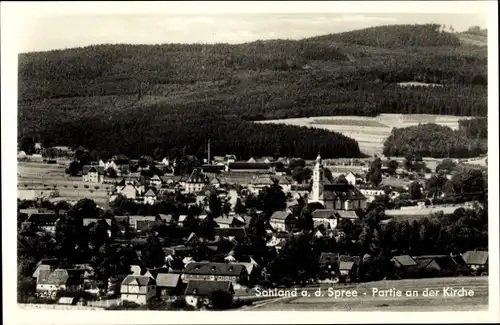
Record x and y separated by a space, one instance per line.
208 234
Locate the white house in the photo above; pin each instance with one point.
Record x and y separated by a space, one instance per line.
351 178
138 288
150 197
155 180
93 174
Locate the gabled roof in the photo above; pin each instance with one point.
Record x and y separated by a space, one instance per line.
197 177
214 268
225 220
150 193
281 215
346 265
138 280
157 271
346 258
404 260
205 288
133 219
93 169
475 257
145 225
342 191
168 280
323 214
167 218
155 177
263 180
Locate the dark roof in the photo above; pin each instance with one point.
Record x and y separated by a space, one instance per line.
248 166
197 177
150 192
475 257
328 258
281 215
346 258
168 218
138 280
205 288
227 220
212 168
237 232
341 191
214 268
144 225
93 168
323 213
404 260
168 280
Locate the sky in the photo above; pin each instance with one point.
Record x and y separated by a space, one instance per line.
57 29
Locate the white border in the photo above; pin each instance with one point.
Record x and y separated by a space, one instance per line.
10 15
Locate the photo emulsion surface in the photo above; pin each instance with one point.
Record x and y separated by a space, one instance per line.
263 162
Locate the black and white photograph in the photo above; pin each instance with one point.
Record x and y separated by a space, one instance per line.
265 160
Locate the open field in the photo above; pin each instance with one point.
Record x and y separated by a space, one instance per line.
370 132
367 301
32 175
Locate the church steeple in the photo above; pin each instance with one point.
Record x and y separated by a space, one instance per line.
317 186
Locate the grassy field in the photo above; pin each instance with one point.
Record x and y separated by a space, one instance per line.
33 175
367 301
370 132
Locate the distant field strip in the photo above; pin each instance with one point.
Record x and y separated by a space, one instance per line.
370 132
366 301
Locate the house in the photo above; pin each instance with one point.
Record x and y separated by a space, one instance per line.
45 264
348 266
266 160
229 222
167 218
404 262
285 183
282 221
177 251
21 155
252 160
260 182
195 182
165 161
276 242
130 191
325 217
44 219
150 197
89 221
440 263
138 288
328 265
93 174
198 292
155 181
169 284
49 282
140 222
230 158
209 271
371 193
477 260
351 178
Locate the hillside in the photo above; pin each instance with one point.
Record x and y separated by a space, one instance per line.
340 74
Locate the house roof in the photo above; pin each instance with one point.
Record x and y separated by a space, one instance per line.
39 268
341 191
328 258
394 182
226 220
205 288
237 232
155 272
475 257
214 268
57 277
347 214
323 213
88 221
248 165
263 180
144 225
346 258
281 215
168 280
93 169
404 260
166 218
138 280
150 193
346 265
197 177
133 219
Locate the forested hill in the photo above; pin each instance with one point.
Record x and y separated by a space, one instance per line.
342 74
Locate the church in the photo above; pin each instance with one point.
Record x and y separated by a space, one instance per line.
337 196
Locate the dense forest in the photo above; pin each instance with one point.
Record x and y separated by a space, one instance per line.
432 140
92 95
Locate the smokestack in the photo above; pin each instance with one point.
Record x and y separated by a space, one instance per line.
209 161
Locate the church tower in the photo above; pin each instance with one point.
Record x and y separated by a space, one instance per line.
317 186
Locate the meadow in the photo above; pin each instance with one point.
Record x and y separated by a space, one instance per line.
37 175
370 132
367 301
